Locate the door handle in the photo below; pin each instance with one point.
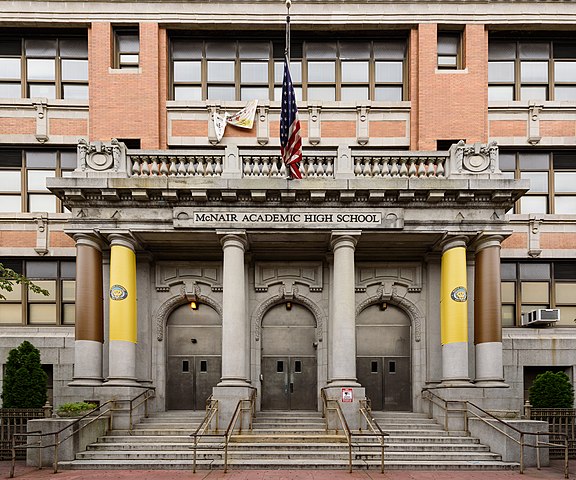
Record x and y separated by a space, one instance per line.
291 387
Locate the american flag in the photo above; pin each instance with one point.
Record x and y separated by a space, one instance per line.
290 140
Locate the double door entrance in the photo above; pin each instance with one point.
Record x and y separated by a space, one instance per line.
289 367
194 360
383 364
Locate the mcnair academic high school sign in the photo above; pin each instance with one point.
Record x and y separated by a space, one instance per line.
292 218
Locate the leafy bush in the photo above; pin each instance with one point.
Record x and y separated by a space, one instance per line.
75 408
552 390
24 379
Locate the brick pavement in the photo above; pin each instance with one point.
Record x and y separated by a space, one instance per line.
22 472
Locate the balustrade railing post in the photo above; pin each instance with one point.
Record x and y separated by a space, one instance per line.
13 451
521 453
55 460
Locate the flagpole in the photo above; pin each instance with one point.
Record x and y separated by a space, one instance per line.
287 48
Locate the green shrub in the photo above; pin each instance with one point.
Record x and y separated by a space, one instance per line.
24 379
75 408
552 390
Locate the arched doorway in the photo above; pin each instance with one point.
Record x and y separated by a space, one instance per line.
383 349
289 365
194 356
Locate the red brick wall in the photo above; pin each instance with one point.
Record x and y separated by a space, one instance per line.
558 240
125 104
189 128
17 126
68 126
13 238
558 128
449 104
387 129
516 240
60 239
508 128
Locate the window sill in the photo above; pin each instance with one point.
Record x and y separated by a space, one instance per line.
125 71
455 71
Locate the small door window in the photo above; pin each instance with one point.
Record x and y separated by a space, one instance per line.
374 367
297 366
203 366
185 366
392 366
279 366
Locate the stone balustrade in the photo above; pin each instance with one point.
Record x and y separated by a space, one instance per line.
385 166
176 165
272 166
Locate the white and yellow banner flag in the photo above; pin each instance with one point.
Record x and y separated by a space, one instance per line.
219 124
245 117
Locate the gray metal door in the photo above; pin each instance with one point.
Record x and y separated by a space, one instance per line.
190 381
193 362
383 363
289 383
289 366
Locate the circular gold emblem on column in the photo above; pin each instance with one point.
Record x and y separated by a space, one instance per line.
459 294
118 292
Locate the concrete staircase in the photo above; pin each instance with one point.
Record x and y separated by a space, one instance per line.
287 440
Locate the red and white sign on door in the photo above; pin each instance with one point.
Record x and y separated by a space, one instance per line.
347 395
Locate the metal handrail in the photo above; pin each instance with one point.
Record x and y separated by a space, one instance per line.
110 404
211 411
366 412
343 422
444 404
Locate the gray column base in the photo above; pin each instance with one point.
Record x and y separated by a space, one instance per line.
233 382
489 363
351 410
228 397
491 384
122 364
343 382
455 364
87 363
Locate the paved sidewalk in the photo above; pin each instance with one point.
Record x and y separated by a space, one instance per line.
23 472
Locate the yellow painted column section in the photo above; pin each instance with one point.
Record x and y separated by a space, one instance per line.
454 297
123 323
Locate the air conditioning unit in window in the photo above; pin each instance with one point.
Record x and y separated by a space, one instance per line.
543 317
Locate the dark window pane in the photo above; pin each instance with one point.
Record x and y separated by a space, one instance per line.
390 50
564 50
534 50
220 50
68 269
321 50
373 367
186 50
448 44
279 366
185 366
296 50
74 48
11 158
565 161
354 50
128 43
508 271
203 366
297 366
391 366
254 50
535 271
565 270
40 47
10 46
501 51
15 265
35 269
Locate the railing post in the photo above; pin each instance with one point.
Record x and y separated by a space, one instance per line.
55 462
566 453
538 450
527 410
522 453
13 463
195 448
350 455
382 455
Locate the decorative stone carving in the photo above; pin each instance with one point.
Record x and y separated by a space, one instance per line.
314 134
99 156
410 308
473 159
181 299
262 134
362 124
288 274
408 275
41 107
534 136
295 297
172 273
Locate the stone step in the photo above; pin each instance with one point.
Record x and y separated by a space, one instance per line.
287 446
312 455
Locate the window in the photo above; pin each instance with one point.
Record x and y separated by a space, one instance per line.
532 285
44 66
449 50
532 70
23 307
23 176
126 48
331 70
552 178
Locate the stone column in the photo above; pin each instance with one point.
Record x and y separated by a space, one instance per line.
89 328
123 316
343 317
234 326
488 312
454 313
